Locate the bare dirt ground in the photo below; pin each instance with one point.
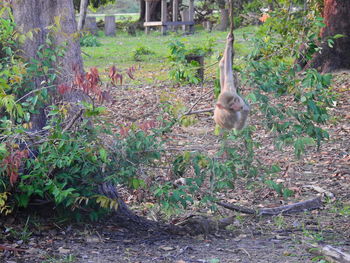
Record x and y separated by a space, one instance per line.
249 238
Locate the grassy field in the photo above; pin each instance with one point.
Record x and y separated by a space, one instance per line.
118 17
119 51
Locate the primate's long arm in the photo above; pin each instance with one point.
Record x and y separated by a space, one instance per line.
226 72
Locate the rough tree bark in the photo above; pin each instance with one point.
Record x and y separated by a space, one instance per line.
155 9
336 16
82 14
28 15
38 15
224 18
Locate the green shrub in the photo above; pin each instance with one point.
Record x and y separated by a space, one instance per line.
65 165
88 40
141 52
271 71
183 70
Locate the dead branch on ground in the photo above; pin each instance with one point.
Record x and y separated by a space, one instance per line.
285 209
330 253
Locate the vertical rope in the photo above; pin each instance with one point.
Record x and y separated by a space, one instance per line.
232 24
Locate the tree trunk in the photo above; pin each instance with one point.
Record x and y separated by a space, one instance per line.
224 22
142 10
38 15
336 17
82 14
155 9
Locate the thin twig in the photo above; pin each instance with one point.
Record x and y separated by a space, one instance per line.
199 111
72 121
32 91
86 54
197 101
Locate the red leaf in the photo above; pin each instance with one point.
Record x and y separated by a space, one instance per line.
13 163
63 88
120 77
130 74
112 72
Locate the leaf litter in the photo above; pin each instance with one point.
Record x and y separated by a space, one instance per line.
249 238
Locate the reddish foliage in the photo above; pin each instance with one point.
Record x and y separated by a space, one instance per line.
130 72
62 89
79 80
13 163
114 75
90 82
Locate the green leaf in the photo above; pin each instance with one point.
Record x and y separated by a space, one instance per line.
103 154
338 36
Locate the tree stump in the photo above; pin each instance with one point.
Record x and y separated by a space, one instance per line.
91 25
200 60
110 27
131 30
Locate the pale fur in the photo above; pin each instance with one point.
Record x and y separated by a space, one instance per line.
225 116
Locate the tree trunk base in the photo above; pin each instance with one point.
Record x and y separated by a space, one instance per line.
330 60
193 225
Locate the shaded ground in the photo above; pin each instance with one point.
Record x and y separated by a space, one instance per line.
249 239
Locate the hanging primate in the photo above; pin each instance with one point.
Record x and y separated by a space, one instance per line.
231 111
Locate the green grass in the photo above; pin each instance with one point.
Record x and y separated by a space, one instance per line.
118 16
118 51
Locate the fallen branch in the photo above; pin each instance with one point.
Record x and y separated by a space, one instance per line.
285 209
196 102
237 208
330 253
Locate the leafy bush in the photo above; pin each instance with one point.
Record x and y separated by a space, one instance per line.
88 40
141 52
12 72
65 163
183 70
307 94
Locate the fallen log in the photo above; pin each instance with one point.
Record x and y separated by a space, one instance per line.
285 209
332 254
